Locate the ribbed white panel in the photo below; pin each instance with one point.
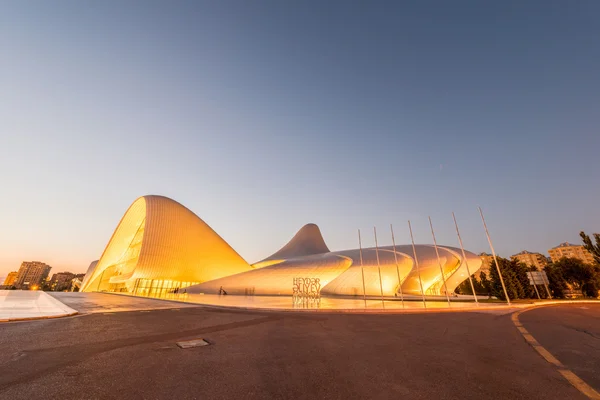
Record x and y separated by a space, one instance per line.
89 272
180 246
118 244
429 268
350 282
175 245
340 273
461 274
277 279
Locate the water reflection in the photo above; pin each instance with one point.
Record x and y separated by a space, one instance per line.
322 303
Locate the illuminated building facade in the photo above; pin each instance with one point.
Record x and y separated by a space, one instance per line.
341 272
61 281
32 275
160 246
10 279
88 273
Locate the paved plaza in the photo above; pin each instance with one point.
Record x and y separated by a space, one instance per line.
108 353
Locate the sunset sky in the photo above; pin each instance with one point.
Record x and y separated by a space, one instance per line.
262 116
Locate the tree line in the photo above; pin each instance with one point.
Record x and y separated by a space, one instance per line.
565 276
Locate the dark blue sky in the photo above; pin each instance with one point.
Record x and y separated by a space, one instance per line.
262 116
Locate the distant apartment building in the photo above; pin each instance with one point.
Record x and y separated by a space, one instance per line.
32 275
10 279
531 259
570 250
61 281
486 262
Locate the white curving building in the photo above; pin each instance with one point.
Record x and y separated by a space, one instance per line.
341 272
160 245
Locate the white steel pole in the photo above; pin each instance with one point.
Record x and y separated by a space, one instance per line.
397 267
417 264
378 267
362 270
545 284
437 254
534 285
465 259
494 254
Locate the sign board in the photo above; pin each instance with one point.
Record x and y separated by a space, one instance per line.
537 278
306 289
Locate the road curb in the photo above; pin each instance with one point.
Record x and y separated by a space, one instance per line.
53 308
39 318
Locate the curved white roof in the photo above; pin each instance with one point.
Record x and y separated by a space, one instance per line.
159 239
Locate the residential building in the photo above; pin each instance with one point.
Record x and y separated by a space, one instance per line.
530 259
61 281
10 279
486 262
570 250
32 275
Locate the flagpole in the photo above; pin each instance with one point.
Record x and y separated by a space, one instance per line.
546 285
494 254
465 259
362 270
397 267
544 280
535 285
417 264
437 254
378 267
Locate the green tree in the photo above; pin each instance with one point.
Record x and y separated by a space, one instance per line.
575 274
590 288
485 284
465 287
591 247
512 276
521 270
557 284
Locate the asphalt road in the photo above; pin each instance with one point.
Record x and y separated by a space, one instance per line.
255 355
570 333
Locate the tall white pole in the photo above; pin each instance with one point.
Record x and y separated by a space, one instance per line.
534 284
362 269
465 259
546 286
417 264
397 267
543 274
494 254
378 267
437 254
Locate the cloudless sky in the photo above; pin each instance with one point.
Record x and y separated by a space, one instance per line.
261 116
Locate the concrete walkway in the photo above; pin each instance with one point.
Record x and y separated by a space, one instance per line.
18 305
